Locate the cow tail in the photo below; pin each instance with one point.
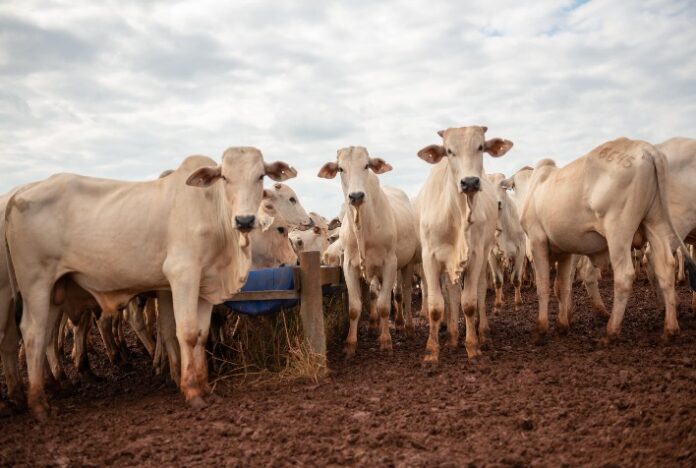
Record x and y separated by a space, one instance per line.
661 172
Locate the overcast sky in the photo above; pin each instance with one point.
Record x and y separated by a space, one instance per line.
125 90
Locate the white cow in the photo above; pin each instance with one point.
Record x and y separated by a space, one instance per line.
602 204
374 248
184 235
270 245
457 227
316 238
509 251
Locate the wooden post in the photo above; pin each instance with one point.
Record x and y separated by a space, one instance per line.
311 307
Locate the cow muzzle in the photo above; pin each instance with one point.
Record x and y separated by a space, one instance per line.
470 185
245 223
356 198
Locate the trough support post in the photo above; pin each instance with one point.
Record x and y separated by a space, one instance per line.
311 307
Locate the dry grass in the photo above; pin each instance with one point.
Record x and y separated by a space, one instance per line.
266 349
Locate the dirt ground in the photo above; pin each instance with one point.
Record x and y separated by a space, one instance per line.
569 402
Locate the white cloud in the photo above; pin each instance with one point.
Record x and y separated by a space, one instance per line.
127 89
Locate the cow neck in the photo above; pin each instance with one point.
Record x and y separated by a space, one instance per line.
362 219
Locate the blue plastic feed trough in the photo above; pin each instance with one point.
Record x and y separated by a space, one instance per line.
268 279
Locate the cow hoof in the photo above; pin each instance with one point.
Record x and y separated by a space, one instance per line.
563 328
539 338
430 358
669 336
608 339
399 324
410 331
197 403
385 346
600 310
349 350
472 352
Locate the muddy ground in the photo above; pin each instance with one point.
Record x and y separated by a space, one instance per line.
569 402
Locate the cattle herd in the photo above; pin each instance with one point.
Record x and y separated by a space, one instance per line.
160 254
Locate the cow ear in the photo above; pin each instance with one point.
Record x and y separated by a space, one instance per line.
497 147
334 223
507 184
280 171
379 165
267 195
316 229
432 154
484 128
441 133
204 176
328 170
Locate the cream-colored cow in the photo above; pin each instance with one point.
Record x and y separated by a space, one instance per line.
457 230
270 245
374 246
601 204
184 235
316 238
509 251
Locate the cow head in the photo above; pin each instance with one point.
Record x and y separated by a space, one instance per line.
271 245
288 205
314 239
355 164
464 148
242 172
519 182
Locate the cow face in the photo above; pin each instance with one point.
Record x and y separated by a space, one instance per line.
242 172
354 164
271 246
497 179
464 148
288 205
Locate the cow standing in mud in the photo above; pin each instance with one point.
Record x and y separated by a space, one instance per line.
603 204
185 235
375 245
457 227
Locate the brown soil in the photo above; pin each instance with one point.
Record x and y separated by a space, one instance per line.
568 402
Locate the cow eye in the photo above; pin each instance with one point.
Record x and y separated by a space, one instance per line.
367 166
480 148
449 151
281 230
292 200
262 176
340 169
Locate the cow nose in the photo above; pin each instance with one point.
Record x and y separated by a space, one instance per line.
245 223
470 184
356 198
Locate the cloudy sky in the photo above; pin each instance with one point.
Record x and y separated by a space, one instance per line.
126 89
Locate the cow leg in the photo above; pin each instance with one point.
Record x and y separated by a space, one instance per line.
137 322
518 269
564 281
648 267
79 351
9 349
541 265
53 356
62 330
497 273
398 301
591 281
38 321
104 325
452 306
406 291
352 276
384 302
624 274
435 304
424 298
373 293
680 264
167 330
662 263
190 314
150 315
205 313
